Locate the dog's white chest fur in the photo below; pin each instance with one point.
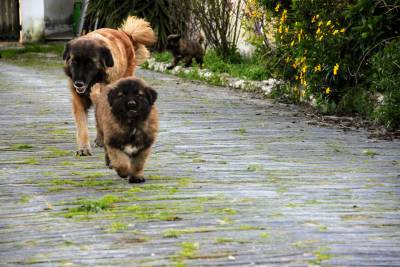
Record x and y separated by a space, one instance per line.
132 149
129 149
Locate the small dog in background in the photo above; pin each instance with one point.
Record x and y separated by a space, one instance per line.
127 123
185 49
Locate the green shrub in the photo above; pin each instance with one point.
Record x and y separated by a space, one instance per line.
162 56
253 68
323 49
385 79
214 63
356 100
162 14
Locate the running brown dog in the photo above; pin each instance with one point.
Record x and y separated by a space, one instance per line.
127 123
102 56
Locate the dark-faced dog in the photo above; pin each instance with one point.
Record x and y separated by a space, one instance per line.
127 123
102 56
185 49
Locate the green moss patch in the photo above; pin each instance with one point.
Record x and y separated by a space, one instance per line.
54 152
21 146
87 206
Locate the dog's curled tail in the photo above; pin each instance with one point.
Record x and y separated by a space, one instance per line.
142 34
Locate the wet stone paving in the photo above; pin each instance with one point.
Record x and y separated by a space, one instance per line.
232 181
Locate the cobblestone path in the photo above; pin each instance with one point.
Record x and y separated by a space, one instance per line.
232 181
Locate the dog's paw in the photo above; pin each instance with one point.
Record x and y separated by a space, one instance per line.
136 179
83 152
98 142
108 163
121 174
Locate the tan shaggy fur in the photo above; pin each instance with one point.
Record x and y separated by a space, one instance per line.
127 47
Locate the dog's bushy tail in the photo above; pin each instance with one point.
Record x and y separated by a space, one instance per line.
142 34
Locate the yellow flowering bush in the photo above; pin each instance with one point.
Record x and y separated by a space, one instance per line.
323 47
309 35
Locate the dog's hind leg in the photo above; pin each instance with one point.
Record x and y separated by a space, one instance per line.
80 114
199 60
107 159
94 95
99 141
188 61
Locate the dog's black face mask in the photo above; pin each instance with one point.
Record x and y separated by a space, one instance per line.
131 101
86 63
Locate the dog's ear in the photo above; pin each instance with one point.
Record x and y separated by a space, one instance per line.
174 37
111 96
67 50
151 95
105 54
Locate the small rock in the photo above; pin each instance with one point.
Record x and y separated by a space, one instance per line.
238 84
207 75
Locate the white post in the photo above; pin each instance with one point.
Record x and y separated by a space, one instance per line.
32 20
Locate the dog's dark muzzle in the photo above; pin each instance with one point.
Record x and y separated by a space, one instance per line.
131 104
80 87
132 108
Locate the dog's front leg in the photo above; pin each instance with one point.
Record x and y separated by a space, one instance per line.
138 162
82 134
175 62
94 96
119 161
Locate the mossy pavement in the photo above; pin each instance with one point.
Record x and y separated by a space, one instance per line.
232 181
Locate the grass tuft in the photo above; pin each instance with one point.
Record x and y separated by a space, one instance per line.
13 53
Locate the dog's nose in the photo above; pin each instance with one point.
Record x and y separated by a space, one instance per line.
79 83
131 103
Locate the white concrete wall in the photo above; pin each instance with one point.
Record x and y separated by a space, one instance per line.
58 15
245 48
32 20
